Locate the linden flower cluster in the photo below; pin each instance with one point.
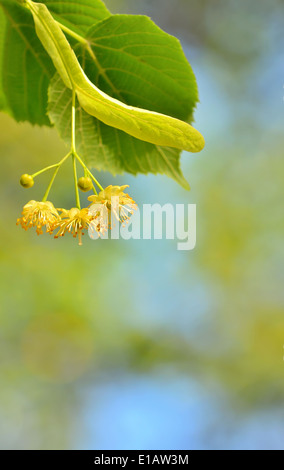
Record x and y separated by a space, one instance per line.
75 221
97 216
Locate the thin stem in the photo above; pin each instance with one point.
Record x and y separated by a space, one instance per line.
88 171
78 204
73 146
73 123
57 166
64 158
52 166
72 33
94 189
74 157
74 153
45 169
50 185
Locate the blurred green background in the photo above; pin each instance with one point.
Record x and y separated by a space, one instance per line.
133 344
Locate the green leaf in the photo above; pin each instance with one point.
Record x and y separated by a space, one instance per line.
26 67
123 63
106 148
143 124
3 101
136 62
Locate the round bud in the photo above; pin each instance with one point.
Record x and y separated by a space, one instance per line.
27 181
85 183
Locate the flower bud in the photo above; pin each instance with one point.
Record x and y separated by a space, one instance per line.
85 183
27 181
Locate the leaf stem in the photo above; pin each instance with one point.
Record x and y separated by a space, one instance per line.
72 34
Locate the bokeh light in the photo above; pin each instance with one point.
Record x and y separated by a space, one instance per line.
133 344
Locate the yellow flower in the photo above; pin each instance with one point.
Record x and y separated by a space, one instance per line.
73 221
99 224
123 206
38 214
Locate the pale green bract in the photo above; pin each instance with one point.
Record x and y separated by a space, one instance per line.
148 126
107 148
